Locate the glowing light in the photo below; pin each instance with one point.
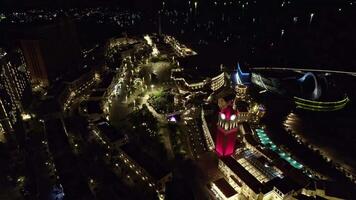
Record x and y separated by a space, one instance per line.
311 17
233 117
172 119
316 92
97 76
319 105
26 116
155 51
222 116
148 39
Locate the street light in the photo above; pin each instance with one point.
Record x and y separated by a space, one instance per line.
311 18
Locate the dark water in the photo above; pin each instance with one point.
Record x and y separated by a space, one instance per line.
333 133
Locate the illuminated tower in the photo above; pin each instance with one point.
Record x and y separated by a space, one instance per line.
226 129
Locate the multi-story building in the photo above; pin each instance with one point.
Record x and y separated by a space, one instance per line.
242 108
251 186
256 112
78 86
15 89
197 73
197 83
223 190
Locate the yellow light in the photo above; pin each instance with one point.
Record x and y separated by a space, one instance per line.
97 76
26 116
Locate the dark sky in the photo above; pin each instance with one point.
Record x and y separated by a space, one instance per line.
145 5
15 4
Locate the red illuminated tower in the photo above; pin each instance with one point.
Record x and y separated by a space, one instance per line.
227 130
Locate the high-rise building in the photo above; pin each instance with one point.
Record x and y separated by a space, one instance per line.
15 89
51 51
226 129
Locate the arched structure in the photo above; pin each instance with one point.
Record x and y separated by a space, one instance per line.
317 91
319 100
242 77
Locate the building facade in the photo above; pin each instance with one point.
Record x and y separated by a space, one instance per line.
15 88
213 83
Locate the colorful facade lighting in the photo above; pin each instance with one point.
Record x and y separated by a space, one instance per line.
226 131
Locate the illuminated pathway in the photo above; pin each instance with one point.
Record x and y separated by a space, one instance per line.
266 141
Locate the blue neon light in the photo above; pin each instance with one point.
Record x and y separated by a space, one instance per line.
317 91
242 73
241 77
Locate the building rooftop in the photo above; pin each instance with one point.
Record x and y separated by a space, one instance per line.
227 94
241 106
249 138
197 68
243 174
293 173
110 132
284 185
225 187
152 165
304 197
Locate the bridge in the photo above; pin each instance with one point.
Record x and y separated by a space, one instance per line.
312 104
305 69
241 77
